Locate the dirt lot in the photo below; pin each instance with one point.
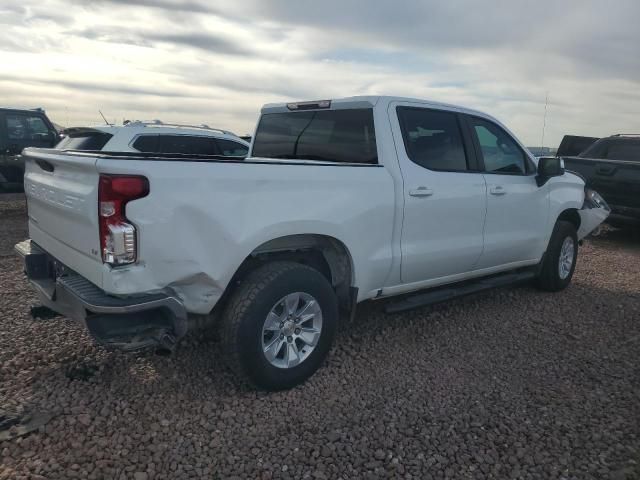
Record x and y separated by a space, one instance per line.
513 384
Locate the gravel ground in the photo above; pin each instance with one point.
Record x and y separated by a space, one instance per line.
513 384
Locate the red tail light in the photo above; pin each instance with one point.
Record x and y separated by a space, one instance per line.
118 241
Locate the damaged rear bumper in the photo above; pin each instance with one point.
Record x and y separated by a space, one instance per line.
153 320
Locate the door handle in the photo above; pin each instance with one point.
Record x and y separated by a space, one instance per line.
497 190
421 192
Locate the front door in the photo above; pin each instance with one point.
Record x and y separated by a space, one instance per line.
517 209
444 194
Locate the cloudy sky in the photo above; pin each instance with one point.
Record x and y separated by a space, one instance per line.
217 62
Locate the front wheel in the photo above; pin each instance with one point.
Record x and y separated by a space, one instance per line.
279 325
560 258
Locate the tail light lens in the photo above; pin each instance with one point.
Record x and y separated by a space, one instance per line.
118 241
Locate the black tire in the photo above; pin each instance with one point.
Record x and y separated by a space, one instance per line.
549 278
247 310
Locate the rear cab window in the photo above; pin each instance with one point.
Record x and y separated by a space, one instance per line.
338 136
86 140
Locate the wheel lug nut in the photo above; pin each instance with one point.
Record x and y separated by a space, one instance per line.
297 331
281 336
289 339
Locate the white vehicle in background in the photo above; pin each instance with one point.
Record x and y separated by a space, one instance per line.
340 201
155 137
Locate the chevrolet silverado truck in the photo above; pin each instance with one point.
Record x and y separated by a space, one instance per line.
339 201
611 165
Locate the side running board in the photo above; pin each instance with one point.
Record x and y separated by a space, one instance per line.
444 294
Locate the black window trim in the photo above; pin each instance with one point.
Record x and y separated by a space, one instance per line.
529 165
473 165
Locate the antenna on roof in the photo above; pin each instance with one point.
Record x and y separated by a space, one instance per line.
104 118
544 121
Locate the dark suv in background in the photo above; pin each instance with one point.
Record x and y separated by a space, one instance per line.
611 166
21 128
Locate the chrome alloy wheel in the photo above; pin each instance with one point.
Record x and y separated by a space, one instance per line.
565 261
291 330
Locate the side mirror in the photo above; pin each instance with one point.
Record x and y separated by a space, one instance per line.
549 167
13 149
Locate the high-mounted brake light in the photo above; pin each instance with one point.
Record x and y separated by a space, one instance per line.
314 105
118 241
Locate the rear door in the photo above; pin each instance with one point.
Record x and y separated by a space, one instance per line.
517 209
444 193
62 195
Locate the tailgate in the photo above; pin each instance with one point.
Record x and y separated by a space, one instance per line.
62 199
618 181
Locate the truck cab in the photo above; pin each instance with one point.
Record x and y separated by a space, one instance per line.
21 128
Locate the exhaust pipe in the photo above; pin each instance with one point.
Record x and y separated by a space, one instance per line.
166 344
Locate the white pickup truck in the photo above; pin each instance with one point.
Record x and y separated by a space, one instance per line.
339 201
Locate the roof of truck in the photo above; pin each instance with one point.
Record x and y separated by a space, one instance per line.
367 101
372 100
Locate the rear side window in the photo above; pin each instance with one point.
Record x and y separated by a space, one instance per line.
182 144
343 136
628 150
614 149
432 139
84 141
146 143
230 148
500 152
187 145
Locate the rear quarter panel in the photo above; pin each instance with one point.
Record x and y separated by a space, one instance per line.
202 219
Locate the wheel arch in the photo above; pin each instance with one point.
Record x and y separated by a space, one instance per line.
325 253
570 215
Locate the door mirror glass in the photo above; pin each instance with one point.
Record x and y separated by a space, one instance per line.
549 167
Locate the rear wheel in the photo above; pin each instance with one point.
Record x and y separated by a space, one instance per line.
279 325
560 258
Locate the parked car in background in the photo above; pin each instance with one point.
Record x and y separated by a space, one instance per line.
155 137
611 166
573 145
20 128
341 201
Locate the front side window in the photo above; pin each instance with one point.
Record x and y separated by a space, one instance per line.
25 127
230 148
432 139
342 136
500 152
